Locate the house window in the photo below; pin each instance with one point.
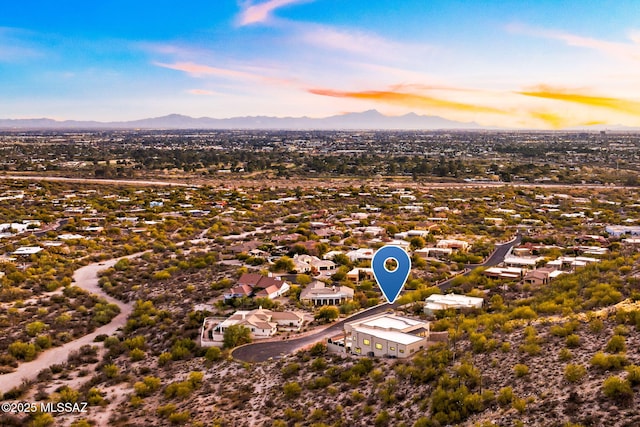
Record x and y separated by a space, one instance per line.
366 342
392 349
379 346
358 350
401 351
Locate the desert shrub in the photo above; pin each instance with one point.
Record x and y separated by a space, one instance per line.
23 351
617 389
520 370
608 362
111 370
291 390
565 354
572 341
633 374
574 373
382 419
519 405
596 326
524 312
213 354
290 370
179 417
136 355
318 349
505 396
319 382
616 344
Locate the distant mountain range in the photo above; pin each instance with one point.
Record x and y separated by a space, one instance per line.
371 119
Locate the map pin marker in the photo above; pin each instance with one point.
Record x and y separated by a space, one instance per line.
391 282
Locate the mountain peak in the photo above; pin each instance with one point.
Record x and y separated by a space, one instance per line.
369 119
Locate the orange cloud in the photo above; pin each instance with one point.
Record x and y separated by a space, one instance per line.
408 100
555 121
617 104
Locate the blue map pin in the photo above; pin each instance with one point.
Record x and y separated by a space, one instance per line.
391 282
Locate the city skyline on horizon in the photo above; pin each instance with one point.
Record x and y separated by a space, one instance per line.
547 65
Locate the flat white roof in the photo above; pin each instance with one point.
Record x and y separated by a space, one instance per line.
391 322
510 259
454 299
393 336
27 250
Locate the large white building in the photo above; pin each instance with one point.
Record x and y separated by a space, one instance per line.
437 302
386 335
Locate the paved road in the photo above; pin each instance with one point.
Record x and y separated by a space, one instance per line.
85 278
262 351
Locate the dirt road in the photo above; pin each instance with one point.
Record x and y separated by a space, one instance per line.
85 278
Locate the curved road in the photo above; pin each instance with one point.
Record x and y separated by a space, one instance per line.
262 351
85 278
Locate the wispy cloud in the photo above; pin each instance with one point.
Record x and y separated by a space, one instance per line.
254 13
559 94
409 100
201 92
16 45
200 70
626 51
255 74
356 41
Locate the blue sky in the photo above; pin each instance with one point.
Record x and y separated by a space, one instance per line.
543 64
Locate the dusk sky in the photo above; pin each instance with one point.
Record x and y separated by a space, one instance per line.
536 64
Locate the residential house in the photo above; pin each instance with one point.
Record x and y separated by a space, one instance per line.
459 245
318 293
358 274
245 247
310 263
260 322
362 254
529 262
541 276
503 272
438 302
620 230
433 252
239 292
571 263
252 284
27 250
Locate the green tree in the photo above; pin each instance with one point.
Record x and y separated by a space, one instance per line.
283 264
236 335
327 313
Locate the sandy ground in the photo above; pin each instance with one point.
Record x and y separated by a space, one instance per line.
85 278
